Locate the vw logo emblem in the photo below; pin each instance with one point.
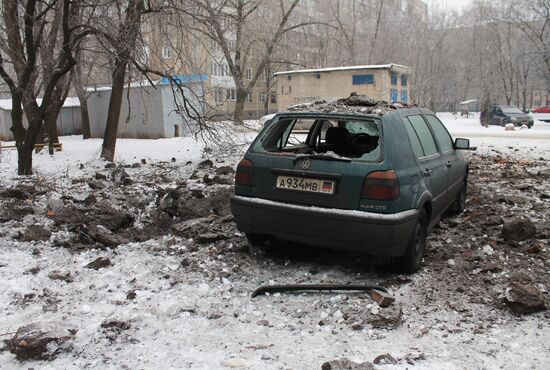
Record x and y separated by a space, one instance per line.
306 164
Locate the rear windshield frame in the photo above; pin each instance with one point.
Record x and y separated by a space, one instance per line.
319 116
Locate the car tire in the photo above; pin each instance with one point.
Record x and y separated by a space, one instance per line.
412 260
459 204
256 240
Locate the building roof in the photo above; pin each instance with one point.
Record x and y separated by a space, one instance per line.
6 104
344 68
132 85
181 79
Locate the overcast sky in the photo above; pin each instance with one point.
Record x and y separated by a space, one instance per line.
455 4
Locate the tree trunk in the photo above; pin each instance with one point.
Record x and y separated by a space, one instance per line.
24 160
51 125
126 41
86 129
25 149
239 106
113 114
266 104
267 89
83 100
50 120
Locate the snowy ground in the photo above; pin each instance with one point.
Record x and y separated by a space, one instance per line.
521 143
185 303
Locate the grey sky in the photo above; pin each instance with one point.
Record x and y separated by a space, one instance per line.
454 4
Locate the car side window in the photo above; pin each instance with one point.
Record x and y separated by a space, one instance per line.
441 134
424 134
415 141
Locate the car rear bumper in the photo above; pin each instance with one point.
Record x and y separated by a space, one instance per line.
372 233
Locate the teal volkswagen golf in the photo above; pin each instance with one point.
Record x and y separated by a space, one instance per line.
373 180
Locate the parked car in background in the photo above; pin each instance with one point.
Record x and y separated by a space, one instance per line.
374 183
541 110
502 115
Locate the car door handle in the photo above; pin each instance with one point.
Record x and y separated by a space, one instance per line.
449 164
427 172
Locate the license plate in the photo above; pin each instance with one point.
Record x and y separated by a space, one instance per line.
303 184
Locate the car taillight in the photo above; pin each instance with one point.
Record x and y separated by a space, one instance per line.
245 173
381 185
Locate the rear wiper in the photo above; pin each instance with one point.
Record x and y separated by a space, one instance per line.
325 157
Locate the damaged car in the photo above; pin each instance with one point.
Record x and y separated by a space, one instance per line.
367 177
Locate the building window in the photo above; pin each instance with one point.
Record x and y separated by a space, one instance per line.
216 69
404 96
273 97
219 69
248 73
394 78
318 76
263 97
218 96
363 79
404 80
249 97
166 52
393 95
231 94
289 77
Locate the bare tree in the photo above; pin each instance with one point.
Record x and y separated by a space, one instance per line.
123 44
243 43
26 27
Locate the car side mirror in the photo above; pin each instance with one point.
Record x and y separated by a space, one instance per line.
463 144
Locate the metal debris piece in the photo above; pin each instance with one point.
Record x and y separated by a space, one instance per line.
313 287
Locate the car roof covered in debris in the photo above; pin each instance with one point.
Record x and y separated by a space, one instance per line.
355 104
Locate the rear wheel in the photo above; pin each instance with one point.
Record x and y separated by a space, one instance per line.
258 243
412 260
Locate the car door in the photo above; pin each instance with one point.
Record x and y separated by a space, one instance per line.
451 158
429 160
498 116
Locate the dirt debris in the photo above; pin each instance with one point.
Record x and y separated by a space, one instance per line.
524 298
384 359
99 263
518 230
41 341
382 298
345 364
35 233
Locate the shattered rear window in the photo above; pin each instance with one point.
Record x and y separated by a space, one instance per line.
332 136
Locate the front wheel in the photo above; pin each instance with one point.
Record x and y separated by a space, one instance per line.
459 204
412 260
